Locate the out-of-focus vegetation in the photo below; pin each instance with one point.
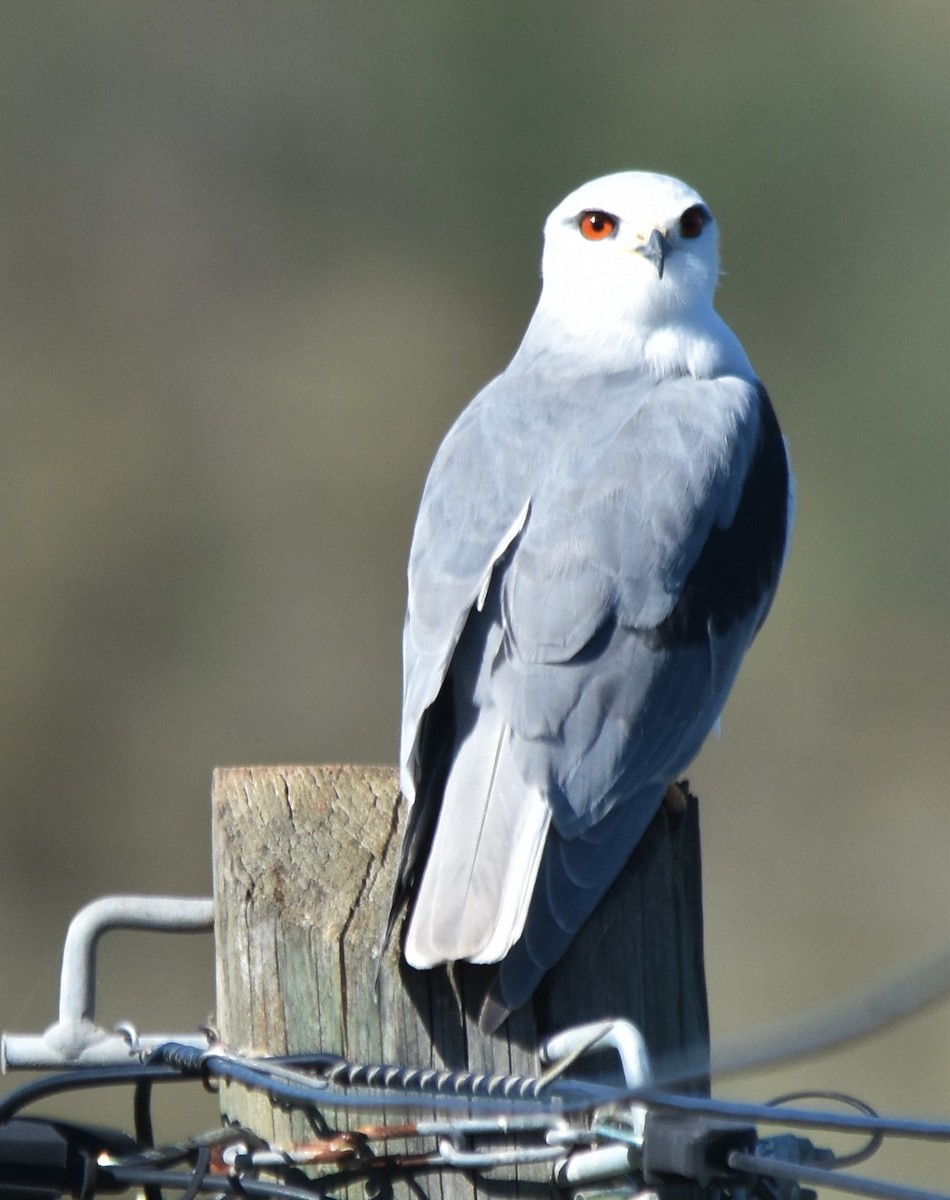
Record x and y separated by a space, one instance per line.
254 257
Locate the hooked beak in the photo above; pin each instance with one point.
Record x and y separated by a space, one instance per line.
655 250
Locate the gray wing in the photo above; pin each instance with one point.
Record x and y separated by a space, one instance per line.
473 506
634 592
577 615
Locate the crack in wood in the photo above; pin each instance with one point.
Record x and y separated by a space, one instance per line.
304 862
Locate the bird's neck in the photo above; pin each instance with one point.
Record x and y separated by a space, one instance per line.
699 344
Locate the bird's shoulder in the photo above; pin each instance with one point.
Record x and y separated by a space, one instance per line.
473 502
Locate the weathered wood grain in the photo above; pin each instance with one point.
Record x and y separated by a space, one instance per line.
304 862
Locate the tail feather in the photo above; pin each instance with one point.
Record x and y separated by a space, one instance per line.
573 877
475 891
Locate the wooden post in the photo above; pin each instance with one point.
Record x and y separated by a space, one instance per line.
304 861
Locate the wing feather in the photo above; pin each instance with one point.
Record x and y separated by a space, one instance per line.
486 847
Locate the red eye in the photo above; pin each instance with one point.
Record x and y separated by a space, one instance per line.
693 221
596 226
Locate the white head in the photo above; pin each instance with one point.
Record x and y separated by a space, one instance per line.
630 266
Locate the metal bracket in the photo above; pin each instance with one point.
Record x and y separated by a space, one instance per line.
622 1156
75 1040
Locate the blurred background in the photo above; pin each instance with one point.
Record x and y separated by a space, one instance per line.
254 259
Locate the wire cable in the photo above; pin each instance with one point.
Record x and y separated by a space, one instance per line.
857 1016
259 1189
875 1140
142 1123
512 1105
202 1165
901 1127
83 1080
873 1189
407 1087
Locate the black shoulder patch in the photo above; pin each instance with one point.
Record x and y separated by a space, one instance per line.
739 566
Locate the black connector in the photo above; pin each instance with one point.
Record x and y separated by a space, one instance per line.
43 1159
681 1147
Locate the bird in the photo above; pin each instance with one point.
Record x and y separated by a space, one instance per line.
599 540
